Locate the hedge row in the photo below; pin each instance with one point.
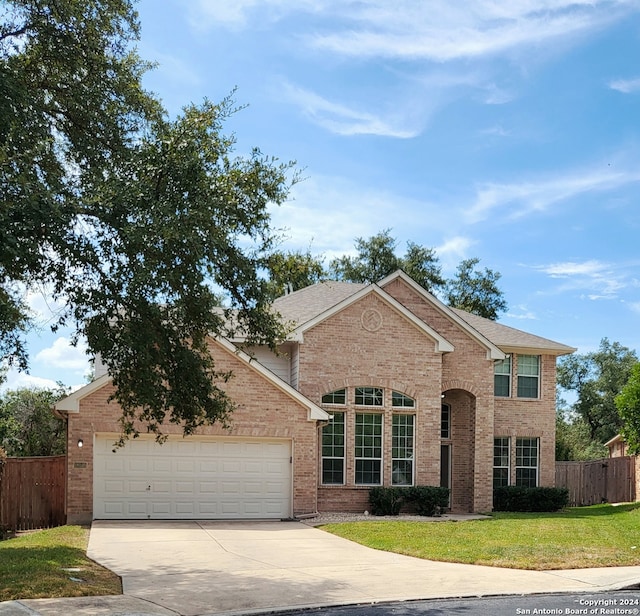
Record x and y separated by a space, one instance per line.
518 498
426 500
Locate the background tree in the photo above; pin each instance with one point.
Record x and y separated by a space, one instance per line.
27 425
136 222
475 291
628 405
596 379
376 259
293 270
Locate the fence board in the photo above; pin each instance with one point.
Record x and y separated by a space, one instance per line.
32 493
610 480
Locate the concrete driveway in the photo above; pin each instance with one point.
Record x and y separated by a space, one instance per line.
196 568
213 568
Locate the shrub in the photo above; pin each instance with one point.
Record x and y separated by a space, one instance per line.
426 500
520 498
386 500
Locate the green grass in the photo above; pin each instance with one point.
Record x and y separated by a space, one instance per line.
577 538
32 566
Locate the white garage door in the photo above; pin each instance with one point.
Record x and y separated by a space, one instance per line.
192 478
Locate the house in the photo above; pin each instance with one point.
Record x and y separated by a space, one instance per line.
618 448
377 384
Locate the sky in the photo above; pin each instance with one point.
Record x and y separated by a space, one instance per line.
506 131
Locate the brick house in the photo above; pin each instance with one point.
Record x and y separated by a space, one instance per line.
377 384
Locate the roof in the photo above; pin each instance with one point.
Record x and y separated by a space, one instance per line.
306 304
71 404
306 307
510 338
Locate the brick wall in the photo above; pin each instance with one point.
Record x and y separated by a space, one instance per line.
263 411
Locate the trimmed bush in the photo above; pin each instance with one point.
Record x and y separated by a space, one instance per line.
386 500
425 500
429 500
520 498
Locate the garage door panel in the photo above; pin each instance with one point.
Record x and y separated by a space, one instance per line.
206 478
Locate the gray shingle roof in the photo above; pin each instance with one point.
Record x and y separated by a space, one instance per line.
304 305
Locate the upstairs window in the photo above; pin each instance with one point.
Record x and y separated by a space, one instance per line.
502 377
399 400
528 376
369 396
339 396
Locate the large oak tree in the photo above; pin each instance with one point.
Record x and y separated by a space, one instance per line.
136 221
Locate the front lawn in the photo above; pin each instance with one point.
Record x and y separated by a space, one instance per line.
581 537
52 563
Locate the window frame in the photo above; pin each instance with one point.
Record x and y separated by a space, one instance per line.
333 394
522 389
403 443
497 375
522 458
369 396
363 442
445 433
332 434
504 445
402 401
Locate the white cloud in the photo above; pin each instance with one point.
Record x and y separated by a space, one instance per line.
343 120
525 197
453 250
626 86
598 280
62 354
439 30
19 380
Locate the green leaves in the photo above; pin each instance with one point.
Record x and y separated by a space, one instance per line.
628 405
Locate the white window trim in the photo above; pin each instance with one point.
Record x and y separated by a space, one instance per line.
356 458
413 449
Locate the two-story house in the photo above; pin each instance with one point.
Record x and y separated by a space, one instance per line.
376 384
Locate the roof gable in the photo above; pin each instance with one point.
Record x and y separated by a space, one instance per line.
493 352
441 344
71 404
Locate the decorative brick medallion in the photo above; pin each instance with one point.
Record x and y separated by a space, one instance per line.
371 320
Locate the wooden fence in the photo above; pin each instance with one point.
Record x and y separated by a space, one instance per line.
609 480
32 493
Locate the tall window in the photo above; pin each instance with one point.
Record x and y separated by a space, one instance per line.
333 450
445 421
500 461
339 396
502 377
402 450
369 396
368 449
528 376
527 462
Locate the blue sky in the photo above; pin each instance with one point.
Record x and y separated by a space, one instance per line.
507 131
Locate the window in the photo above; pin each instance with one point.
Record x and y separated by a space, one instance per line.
402 450
528 376
399 400
369 396
339 396
500 461
527 462
333 450
502 377
368 449
445 421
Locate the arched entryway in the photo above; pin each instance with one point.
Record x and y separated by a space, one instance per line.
457 447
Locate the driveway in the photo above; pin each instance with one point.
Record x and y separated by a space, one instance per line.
198 568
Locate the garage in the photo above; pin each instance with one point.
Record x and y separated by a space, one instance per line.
192 478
